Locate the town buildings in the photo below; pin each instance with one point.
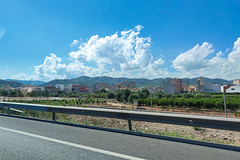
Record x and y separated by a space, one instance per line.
212 88
189 88
225 87
115 87
9 89
101 85
173 86
60 87
236 82
130 85
177 86
200 84
77 88
168 87
233 89
51 89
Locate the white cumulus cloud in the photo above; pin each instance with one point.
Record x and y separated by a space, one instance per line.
74 42
50 69
194 58
120 54
127 54
196 62
21 76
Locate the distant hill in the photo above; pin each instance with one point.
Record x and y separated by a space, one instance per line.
36 83
91 81
13 84
141 82
193 81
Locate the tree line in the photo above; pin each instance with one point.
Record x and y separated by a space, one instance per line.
190 100
185 100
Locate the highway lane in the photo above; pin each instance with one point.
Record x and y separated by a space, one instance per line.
28 139
17 146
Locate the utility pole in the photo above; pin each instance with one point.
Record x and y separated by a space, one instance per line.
106 100
224 100
151 97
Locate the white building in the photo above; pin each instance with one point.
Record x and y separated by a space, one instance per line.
236 82
69 86
216 88
213 88
233 89
168 87
60 87
43 89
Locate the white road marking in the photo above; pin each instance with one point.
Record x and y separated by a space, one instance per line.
74 145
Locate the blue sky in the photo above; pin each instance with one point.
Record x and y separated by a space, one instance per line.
164 38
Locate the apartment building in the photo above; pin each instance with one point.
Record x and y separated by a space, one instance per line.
233 89
200 84
130 85
173 86
236 82
77 88
60 87
101 85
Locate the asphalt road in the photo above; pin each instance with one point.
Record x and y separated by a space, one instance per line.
28 139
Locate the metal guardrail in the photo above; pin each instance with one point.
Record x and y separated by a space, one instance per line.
169 118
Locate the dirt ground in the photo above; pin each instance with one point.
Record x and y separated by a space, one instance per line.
174 110
195 133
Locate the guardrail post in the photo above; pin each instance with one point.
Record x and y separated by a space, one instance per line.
9 111
53 116
130 125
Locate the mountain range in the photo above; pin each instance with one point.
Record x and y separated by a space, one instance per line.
13 84
35 83
140 82
91 81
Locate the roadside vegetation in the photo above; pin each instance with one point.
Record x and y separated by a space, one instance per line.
64 102
189 101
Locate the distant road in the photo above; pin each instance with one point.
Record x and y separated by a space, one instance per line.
28 139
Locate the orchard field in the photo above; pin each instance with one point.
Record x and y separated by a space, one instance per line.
193 101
